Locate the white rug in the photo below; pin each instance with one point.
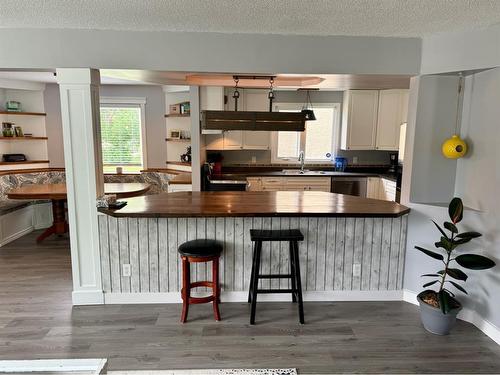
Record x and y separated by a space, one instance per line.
286 371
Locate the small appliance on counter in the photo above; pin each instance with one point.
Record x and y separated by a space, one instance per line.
394 162
11 158
214 182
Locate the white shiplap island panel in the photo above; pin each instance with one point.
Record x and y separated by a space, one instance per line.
337 254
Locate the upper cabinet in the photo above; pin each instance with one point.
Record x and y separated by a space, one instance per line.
359 120
372 119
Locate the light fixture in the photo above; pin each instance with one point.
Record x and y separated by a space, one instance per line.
236 93
307 109
455 147
271 95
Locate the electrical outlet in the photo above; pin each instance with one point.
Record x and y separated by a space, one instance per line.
126 270
356 269
354 160
254 159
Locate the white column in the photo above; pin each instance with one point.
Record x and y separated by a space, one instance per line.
196 157
79 89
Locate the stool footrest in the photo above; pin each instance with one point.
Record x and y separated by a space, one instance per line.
276 291
197 300
274 276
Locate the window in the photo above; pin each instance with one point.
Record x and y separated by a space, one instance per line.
317 141
122 134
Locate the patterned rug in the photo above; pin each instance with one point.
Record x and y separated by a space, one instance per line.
275 371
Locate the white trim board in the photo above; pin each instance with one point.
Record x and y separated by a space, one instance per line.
488 328
241 296
61 366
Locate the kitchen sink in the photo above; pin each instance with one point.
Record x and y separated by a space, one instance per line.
298 171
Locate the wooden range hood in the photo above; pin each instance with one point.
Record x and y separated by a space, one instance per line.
246 120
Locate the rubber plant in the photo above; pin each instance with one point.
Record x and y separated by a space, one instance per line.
450 240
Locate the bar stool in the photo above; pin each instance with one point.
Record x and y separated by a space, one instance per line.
292 236
198 251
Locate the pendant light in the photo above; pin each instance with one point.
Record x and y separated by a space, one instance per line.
307 109
271 95
455 147
236 93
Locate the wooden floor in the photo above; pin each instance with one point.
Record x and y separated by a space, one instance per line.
38 321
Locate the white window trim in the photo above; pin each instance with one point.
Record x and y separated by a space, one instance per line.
335 138
131 101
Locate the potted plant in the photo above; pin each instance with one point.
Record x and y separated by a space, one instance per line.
439 309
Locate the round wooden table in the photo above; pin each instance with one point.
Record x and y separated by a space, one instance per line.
58 195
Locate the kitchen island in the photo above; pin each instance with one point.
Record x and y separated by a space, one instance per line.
354 248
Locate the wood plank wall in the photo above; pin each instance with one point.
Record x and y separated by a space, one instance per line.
327 255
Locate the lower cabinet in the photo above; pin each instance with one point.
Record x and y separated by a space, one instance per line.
381 188
289 184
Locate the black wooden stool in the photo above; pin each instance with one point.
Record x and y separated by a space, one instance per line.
197 251
293 236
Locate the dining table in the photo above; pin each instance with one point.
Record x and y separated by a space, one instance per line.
57 194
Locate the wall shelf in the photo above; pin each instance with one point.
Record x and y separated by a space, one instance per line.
22 113
24 162
186 140
188 164
178 115
22 138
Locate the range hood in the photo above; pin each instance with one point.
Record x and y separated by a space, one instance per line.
246 120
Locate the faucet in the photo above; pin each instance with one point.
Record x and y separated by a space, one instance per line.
301 160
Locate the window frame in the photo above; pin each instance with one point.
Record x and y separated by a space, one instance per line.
302 141
128 102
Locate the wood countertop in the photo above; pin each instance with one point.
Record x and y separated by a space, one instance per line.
260 204
181 178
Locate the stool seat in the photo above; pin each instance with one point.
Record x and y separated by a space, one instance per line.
276 235
200 248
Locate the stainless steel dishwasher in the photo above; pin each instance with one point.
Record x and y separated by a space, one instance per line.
349 186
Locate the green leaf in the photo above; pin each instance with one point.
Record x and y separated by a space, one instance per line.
430 283
456 274
474 262
456 210
441 272
469 235
440 229
444 301
445 243
451 227
459 287
461 241
451 294
430 253
430 275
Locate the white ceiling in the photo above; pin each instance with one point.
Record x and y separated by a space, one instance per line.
48 77
400 18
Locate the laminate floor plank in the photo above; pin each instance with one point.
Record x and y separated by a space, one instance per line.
37 320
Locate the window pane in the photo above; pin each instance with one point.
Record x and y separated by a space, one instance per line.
121 137
288 144
319 135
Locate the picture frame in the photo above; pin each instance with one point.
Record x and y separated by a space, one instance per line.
175 134
18 131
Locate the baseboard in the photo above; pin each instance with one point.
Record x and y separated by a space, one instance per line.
55 366
241 296
488 328
87 297
15 236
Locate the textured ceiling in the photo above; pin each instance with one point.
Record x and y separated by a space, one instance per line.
309 17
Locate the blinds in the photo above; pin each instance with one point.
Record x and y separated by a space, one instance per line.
121 135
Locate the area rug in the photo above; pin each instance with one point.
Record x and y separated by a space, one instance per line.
261 371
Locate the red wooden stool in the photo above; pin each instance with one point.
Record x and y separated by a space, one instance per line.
198 251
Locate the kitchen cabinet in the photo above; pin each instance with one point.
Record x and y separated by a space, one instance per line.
388 120
381 188
373 187
238 140
372 119
289 184
359 120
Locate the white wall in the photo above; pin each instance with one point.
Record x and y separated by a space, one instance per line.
53 124
476 182
212 52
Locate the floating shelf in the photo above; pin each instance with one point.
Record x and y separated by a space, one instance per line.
178 115
178 139
188 164
22 113
22 138
24 162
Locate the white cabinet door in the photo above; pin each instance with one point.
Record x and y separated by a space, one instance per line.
359 120
214 141
389 120
308 184
233 140
373 187
387 190
256 140
256 100
405 96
